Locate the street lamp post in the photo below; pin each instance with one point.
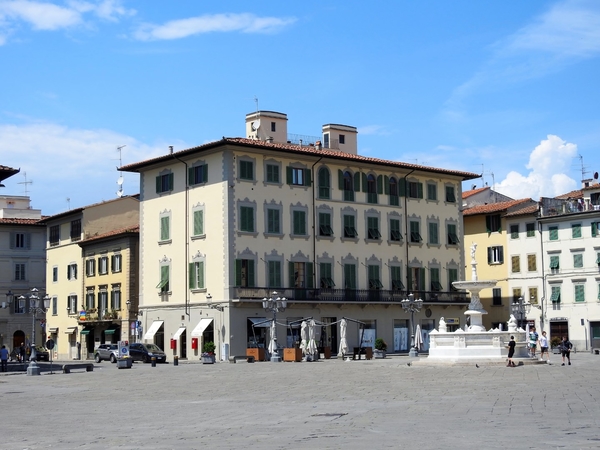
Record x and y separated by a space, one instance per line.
411 305
275 304
36 305
520 308
9 299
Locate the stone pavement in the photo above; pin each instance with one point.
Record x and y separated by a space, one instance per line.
329 404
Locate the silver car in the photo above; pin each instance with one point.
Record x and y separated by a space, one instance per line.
107 352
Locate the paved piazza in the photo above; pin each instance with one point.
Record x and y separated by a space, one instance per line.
320 405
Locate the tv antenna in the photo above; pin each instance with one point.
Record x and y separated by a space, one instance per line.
26 183
69 203
584 172
120 180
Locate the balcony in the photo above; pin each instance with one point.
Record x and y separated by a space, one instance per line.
559 207
337 296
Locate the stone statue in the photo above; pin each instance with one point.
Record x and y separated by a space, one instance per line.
473 248
442 326
512 324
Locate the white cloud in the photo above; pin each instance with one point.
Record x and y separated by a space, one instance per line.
177 29
547 163
378 130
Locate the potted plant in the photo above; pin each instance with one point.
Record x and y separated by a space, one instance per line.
555 344
208 353
380 348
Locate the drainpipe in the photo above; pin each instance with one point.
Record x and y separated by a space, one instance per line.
312 169
406 223
187 240
543 298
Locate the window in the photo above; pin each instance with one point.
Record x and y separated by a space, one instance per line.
55 274
554 263
495 255
299 223
373 273
555 297
393 192
576 231
342 138
395 234
273 126
165 228
533 295
326 140
325 224
530 229
54 306
246 170
347 184
301 274
415 235
531 263
103 265
326 274
515 264
431 191
247 219
54 235
416 279
450 197
598 259
198 174
198 217
578 260
298 177
373 228
90 267
115 263
76 230
72 271
497 296
90 300
272 173
273 221
432 228
396 277
452 236
434 274
196 275
324 183
492 223
580 293
20 240
514 231
371 189
349 276
349 230
115 298
163 284
244 273
274 275
594 227
452 277
553 231
102 303
72 303
415 189
20 272
164 183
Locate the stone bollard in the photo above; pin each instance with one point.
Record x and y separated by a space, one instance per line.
176 360
153 359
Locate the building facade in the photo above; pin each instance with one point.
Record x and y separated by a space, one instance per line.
226 224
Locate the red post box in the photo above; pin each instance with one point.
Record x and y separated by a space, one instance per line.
173 344
194 343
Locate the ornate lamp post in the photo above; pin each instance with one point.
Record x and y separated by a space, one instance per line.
9 299
275 304
411 305
36 305
519 309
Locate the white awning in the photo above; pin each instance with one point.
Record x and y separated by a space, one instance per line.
260 322
153 329
71 330
202 325
53 330
178 333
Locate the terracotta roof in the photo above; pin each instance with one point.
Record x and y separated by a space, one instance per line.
11 221
493 207
78 210
591 187
113 233
6 172
525 210
297 149
578 193
467 194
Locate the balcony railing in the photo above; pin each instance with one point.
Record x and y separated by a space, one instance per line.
351 295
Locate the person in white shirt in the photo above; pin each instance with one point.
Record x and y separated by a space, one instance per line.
544 346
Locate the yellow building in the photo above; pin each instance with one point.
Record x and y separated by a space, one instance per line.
226 224
91 272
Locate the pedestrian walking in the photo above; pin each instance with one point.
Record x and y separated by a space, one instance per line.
4 358
544 347
511 351
22 352
533 341
565 350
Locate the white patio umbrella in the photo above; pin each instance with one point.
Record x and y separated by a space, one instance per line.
343 342
272 342
311 347
418 338
303 337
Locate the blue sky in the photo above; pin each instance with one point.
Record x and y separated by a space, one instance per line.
507 89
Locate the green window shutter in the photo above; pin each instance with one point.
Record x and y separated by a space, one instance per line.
307 177
205 173
579 293
164 277
594 229
191 276
364 182
488 224
191 178
357 182
310 281
409 279
198 223
386 185
380 184
576 231
402 187
291 277
171 178
598 259
422 279
158 184
419 190
250 265
289 176
433 233
340 180
554 262
201 275
238 272
578 261
164 228
350 276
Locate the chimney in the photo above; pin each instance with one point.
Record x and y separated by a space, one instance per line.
318 145
269 139
170 149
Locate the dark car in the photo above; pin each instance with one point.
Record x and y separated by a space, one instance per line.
41 354
145 352
107 352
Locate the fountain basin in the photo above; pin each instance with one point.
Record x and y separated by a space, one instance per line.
475 345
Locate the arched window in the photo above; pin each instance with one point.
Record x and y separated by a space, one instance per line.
324 183
394 200
371 189
348 187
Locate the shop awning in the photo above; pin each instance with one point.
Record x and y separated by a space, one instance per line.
178 333
260 322
202 325
86 330
71 330
153 329
111 330
53 330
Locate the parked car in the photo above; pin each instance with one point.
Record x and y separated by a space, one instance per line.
41 354
107 352
145 352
